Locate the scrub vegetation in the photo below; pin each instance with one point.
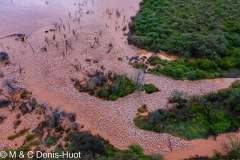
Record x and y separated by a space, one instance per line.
109 86
90 146
95 147
205 34
198 116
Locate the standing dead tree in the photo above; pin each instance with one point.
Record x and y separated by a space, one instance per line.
77 66
118 13
47 40
44 49
20 69
138 79
110 46
169 142
31 47
108 11
3 48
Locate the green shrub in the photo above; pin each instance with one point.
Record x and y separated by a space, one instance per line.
103 92
150 88
236 84
85 143
155 60
156 70
110 88
51 140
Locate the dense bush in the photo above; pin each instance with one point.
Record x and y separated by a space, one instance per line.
196 117
191 69
91 148
206 30
51 140
199 28
85 143
113 86
150 88
106 86
95 147
120 87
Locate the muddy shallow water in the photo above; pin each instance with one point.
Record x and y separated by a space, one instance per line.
29 15
47 74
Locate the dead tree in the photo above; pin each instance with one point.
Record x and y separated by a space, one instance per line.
138 79
118 13
31 47
169 142
77 66
92 45
44 49
110 46
20 69
47 40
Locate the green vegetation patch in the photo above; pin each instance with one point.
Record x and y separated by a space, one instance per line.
112 86
196 117
192 69
120 87
51 140
19 134
150 88
95 147
106 86
199 28
206 30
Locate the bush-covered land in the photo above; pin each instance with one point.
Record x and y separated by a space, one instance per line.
206 30
111 86
185 69
95 147
196 117
91 147
51 140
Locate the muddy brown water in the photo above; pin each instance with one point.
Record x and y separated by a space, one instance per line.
34 17
29 15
